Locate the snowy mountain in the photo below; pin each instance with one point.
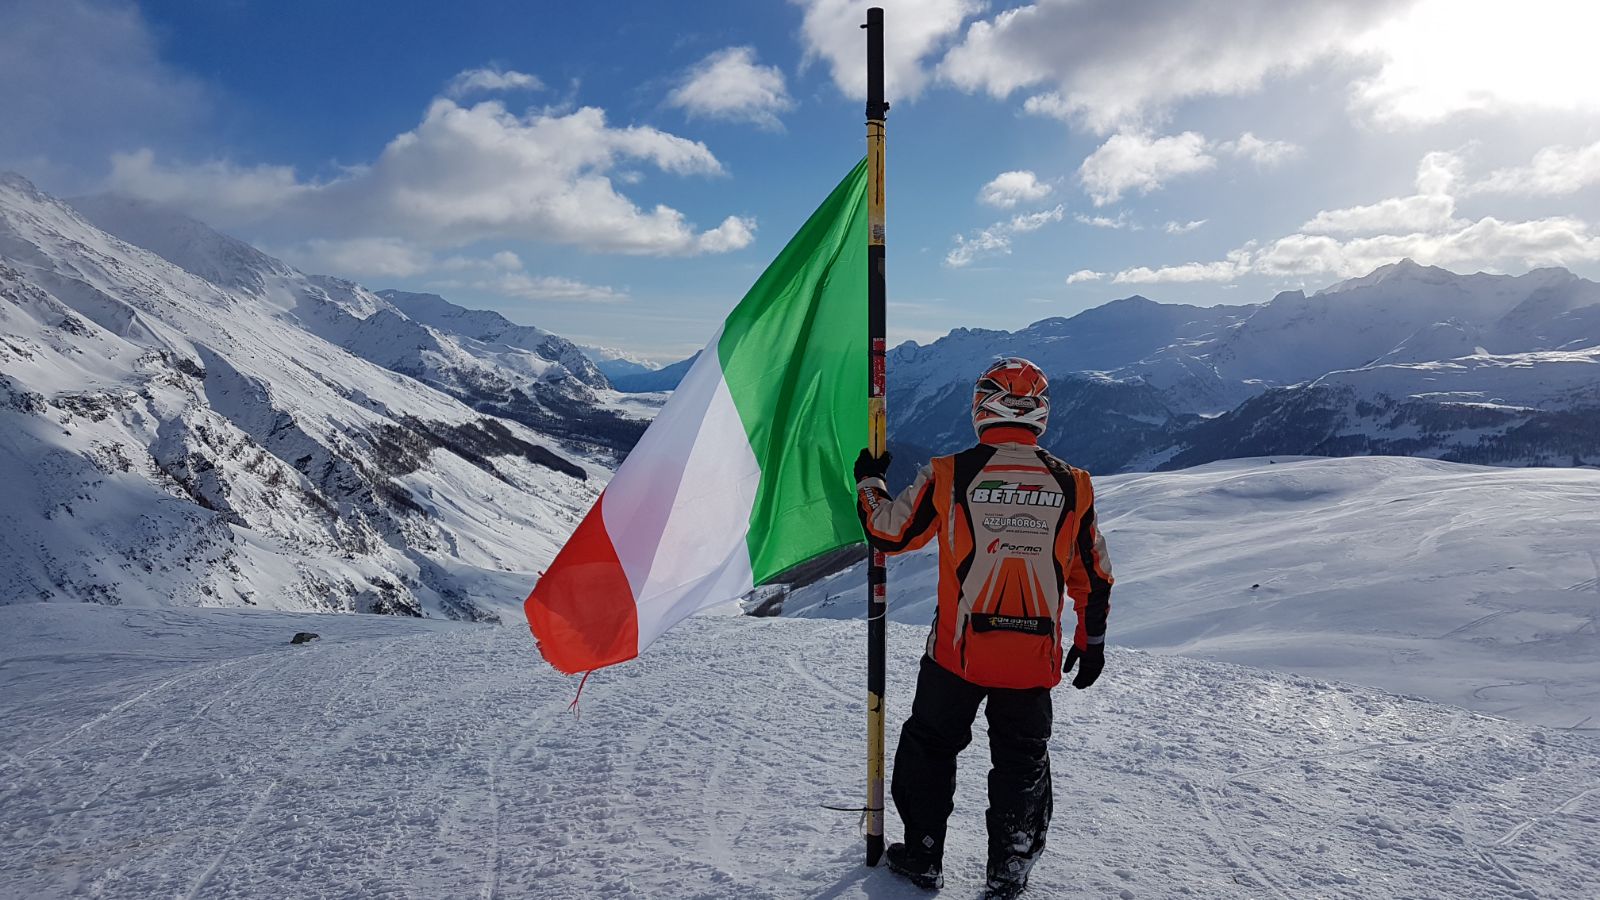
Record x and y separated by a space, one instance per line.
1471 585
662 379
513 371
616 363
195 753
565 361
200 424
1408 360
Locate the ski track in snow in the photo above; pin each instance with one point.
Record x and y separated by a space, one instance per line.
196 754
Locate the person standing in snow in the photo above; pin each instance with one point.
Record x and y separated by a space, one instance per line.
1017 535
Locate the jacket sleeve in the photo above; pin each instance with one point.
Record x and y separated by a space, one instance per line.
899 524
1089 577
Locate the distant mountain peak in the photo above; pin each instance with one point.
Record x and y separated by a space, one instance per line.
1407 270
17 182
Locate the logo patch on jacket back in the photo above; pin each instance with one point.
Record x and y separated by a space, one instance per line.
997 546
1015 493
1025 624
1018 522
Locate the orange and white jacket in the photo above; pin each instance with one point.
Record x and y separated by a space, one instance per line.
1016 532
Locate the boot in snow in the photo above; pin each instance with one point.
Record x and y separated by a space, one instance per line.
1008 877
919 867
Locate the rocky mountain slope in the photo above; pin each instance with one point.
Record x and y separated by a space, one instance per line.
199 424
514 371
1409 360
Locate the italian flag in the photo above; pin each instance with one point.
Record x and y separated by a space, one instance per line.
745 472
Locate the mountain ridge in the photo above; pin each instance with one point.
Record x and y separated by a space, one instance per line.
178 440
1408 359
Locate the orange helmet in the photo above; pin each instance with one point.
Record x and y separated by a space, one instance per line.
1013 391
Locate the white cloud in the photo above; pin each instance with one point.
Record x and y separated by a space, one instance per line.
734 233
1121 65
1439 172
1010 188
505 259
387 257
1085 275
996 239
1183 227
913 31
1419 212
1120 222
986 242
1222 270
729 84
1555 171
523 286
491 79
1432 208
1035 221
218 191
1262 153
363 257
1486 243
1441 58
82 79
1138 162
1421 226
465 173
499 273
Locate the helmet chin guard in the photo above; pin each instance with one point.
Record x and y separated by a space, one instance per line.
1013 391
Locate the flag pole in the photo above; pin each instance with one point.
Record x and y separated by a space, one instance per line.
877 580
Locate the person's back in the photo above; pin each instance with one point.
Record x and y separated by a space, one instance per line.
1016 534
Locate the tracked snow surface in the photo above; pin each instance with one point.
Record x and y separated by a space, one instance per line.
194 753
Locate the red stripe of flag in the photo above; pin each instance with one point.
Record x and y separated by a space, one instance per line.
582 610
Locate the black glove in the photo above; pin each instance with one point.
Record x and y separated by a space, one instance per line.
1093 660
869 466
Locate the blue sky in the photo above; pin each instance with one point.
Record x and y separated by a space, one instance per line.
620 173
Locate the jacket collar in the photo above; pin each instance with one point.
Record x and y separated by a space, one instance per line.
1008 434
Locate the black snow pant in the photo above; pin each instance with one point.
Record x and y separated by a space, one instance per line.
940 727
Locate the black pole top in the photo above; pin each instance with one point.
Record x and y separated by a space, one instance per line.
877 109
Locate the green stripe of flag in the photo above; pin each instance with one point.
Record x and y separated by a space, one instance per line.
794 357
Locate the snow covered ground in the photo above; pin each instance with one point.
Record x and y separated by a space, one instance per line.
194 753
1476 586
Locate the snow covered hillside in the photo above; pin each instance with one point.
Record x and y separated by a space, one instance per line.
223 430
1471 585
1409 360
517 372
194 753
